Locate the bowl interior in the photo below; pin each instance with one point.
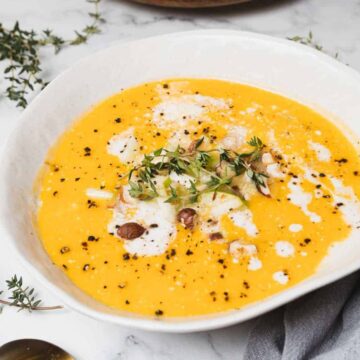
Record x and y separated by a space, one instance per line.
277 65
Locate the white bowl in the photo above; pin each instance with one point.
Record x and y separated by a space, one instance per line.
278 65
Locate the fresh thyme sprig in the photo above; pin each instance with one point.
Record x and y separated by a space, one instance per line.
19 49
23 297
310 41
91 29
211 171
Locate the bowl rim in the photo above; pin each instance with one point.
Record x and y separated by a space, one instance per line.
184 325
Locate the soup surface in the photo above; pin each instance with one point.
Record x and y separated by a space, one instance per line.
240 195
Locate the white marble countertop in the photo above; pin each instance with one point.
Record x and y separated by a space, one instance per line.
335 25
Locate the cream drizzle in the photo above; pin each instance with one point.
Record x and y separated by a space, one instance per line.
302 199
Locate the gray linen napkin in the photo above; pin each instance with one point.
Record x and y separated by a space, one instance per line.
323 325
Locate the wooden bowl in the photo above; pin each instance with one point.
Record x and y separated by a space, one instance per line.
191 3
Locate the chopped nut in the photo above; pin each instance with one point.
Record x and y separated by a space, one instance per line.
86 267
122 285
130 230
267 159
121 194
239 250
216 236
126 256
187 217
243 186
192 146
64 250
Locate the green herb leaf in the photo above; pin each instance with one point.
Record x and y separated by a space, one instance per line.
256 142
174 196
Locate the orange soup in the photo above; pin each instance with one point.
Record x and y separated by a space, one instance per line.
187 197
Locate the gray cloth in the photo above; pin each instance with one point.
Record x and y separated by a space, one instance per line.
323 325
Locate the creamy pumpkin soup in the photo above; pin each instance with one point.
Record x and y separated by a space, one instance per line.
187 197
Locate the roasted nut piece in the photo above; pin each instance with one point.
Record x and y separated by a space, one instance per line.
86 267
216 236
130 230
192 146
64 250
187 217
239 250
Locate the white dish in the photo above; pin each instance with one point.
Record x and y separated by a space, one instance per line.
281 66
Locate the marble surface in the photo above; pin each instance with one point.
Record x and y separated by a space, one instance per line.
335 25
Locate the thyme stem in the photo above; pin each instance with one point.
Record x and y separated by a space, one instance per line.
36 308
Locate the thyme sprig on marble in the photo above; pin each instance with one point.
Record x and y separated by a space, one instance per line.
209 171
309 40
19 50
23 297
